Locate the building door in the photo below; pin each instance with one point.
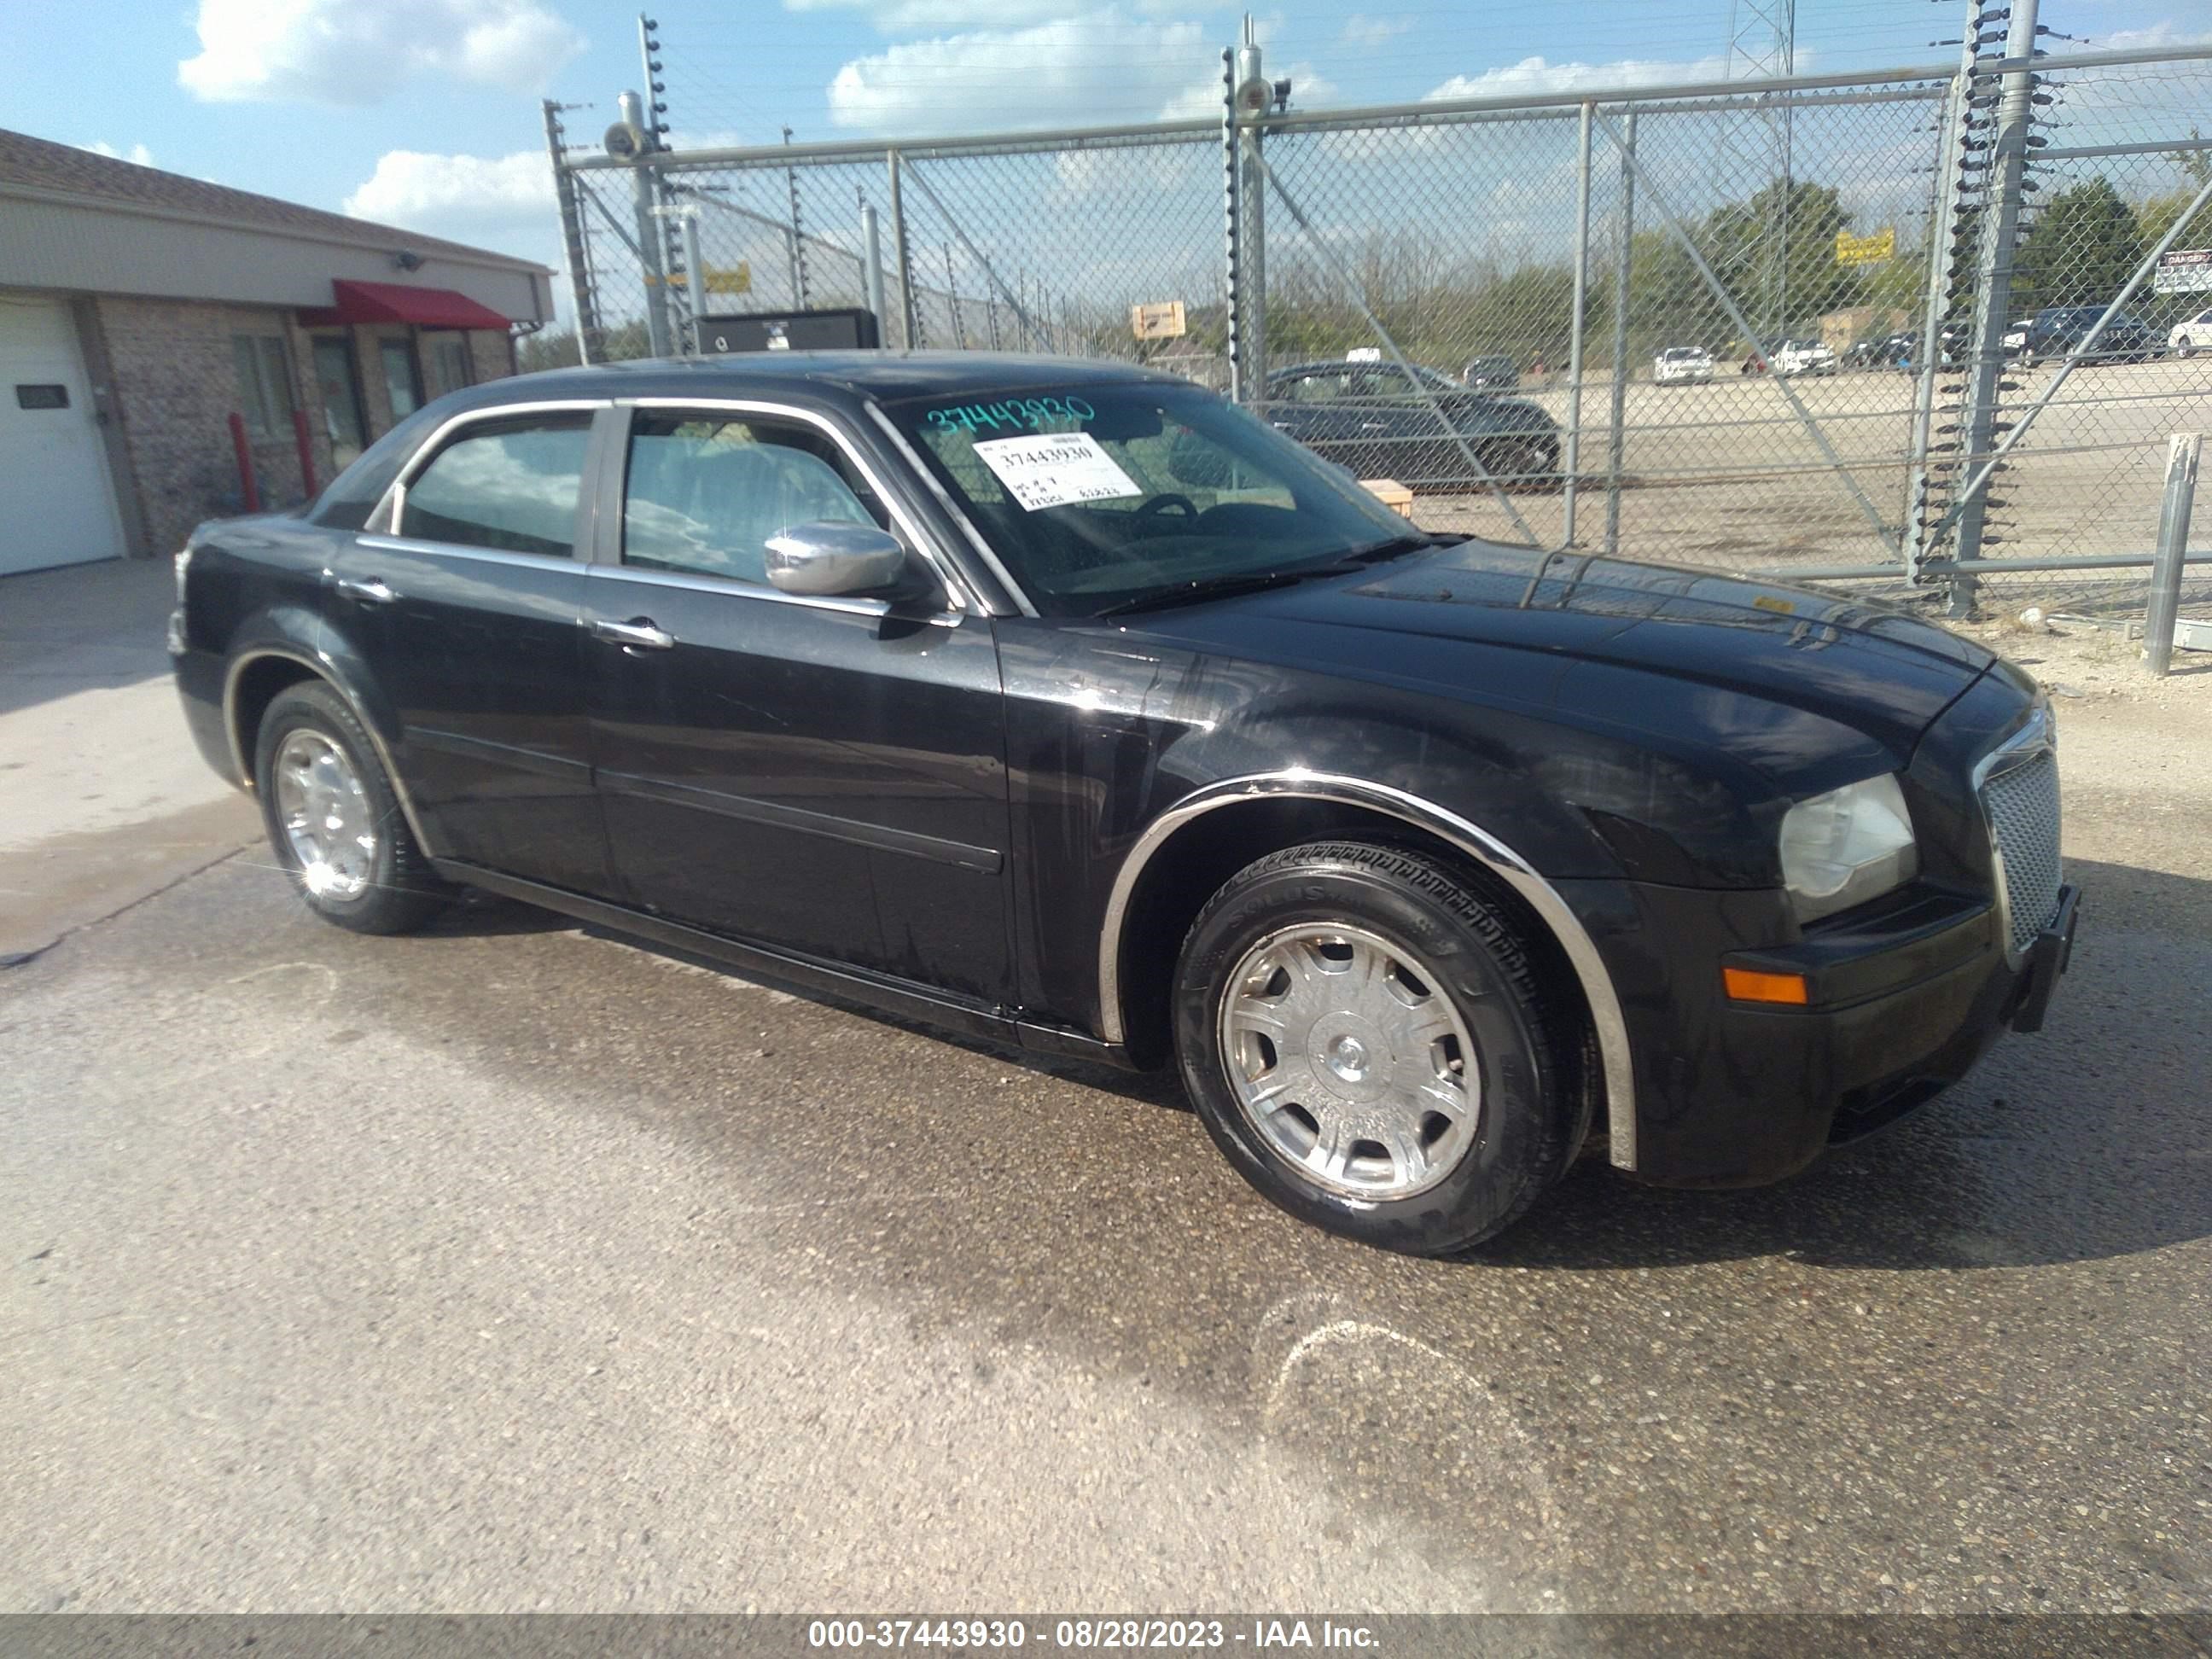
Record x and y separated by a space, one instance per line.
341 388
403 385
57 496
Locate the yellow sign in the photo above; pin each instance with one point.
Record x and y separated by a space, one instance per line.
720 279
1157 322
1873 250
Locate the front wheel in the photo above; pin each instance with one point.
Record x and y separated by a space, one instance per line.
334 819
2184 348
1369 1042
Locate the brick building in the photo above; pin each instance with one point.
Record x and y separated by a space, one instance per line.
140 310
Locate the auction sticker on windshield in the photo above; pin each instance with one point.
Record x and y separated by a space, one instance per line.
1052 471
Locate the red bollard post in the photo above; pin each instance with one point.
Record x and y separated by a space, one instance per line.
306 451
245 463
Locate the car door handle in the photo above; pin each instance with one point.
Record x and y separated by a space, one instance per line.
638 633
369 590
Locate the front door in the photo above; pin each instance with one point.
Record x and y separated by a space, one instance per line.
341 389
469 620
825 775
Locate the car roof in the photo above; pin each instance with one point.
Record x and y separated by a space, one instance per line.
886 376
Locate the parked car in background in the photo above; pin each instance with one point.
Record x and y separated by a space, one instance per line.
2190 335
1682 365
2061 330
1491 374
1804 356
1061 705
1369 420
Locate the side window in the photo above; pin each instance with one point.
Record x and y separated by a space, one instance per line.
355 493
513 485
1318 389
706 492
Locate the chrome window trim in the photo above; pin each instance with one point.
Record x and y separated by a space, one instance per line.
2037 737
326 671
1614 1052
388 516
745 590
983 548
462 551
958 595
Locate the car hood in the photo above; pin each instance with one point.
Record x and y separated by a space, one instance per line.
1877 670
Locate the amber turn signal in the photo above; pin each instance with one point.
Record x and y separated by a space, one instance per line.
1745 986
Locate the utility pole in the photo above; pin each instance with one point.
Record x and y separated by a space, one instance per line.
1762 45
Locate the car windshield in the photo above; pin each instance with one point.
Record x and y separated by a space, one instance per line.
1103 495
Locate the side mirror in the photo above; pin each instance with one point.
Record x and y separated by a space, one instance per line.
829 557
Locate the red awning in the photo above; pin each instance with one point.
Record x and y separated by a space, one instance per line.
395 302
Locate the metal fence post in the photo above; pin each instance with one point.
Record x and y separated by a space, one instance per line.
1623 254
1575 338
1232 297
912 335
1985 363
1936 305
2182 456
872 277
694 283
586 318
1252 242
648 235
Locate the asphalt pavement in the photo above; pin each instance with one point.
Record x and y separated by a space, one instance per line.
515 1267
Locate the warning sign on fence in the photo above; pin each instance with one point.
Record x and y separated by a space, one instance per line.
2183 270
1873 250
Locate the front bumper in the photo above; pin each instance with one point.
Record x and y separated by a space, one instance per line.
1901 1003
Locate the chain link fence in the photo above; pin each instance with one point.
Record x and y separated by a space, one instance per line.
1838 328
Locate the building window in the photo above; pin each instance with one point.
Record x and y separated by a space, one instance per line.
449 363
264 386
401 385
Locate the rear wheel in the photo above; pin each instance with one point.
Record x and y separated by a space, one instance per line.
1369 1042
334 820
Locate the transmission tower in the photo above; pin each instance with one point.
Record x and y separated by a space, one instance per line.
1753 154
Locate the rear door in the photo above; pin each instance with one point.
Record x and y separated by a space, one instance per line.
470 618
825 775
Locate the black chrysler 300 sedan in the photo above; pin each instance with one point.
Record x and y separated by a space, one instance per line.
1066 703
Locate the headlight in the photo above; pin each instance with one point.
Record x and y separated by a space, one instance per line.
1846 847
184 565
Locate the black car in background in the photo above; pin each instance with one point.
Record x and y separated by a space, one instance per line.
1064 705
2060 330
1369 419
1491 374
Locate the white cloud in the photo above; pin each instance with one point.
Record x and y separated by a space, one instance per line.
137 153
1534 77
468 198
1104 66
356 52
1362 31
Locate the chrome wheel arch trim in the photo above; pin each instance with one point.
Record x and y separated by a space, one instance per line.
1615 1056
324 670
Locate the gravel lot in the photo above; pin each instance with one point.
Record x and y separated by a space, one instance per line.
515 1267
1726 474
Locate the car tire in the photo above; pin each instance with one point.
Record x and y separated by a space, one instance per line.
334 818
2184 348
1441 1000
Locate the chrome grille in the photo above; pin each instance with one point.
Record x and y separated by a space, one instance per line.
2021 803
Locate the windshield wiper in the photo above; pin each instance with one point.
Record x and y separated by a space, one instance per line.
1397 548
1213 587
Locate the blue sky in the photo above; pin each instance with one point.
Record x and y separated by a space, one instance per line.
424 113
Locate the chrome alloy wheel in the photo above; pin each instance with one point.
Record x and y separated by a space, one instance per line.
325 815
1350 1061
